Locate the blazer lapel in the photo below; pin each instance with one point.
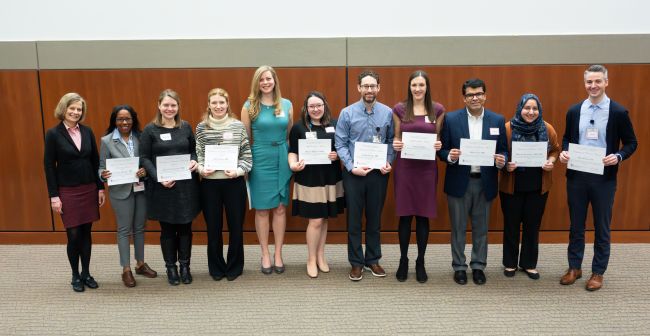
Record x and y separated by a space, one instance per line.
464 124
121 147
486 125
66 135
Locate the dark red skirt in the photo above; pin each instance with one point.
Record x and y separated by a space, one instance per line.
80 204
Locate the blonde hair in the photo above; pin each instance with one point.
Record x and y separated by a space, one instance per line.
157 120
255 97
217 92
65 102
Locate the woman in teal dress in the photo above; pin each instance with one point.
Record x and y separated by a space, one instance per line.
268 119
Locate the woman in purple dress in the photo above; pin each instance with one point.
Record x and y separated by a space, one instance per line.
416 180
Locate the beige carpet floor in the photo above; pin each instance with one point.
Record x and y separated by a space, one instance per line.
36 298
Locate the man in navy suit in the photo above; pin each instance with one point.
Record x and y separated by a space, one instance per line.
471 189
599 122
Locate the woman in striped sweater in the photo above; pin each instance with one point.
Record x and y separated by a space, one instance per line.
223 185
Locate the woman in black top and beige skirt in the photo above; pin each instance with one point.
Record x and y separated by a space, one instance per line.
71 161
317 188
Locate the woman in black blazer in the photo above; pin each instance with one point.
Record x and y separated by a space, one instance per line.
76 192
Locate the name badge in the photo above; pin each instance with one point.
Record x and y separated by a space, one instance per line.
376 139
329 129
280 115
494 131
592 133
138 186
227 135
427 120
166 136
311 135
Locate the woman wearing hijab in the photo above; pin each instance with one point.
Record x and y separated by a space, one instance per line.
524 190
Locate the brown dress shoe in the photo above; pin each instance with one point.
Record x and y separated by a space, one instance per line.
595 282
376 270
127 279
146 271
571 276
356 273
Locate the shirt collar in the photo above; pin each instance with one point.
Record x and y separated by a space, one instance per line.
603 104
118 136
471 116
363 107
76 127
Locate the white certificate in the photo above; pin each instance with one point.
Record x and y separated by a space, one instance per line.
173 167
529 154
371 155
477 152
122 170
419 146
586 159
221 157
314 151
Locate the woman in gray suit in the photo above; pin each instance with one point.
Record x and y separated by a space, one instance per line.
128 200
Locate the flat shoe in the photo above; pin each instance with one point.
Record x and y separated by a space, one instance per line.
323 269
279 269
266 270
534 276
510 272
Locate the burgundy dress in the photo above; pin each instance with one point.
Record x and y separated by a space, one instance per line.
416 181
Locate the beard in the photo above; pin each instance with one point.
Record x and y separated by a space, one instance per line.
369 99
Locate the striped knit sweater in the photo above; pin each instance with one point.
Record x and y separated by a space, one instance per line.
213 135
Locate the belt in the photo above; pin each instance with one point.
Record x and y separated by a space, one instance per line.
270 143
475 175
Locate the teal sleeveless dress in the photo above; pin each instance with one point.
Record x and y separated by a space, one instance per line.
269 178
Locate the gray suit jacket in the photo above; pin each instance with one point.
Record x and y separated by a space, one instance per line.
115 149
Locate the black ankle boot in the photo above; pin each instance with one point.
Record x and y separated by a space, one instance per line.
77 283
402 270
186 276
172 275
420 273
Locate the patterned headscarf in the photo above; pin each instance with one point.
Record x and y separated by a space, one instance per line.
523 131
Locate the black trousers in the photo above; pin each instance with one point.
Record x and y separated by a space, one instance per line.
525 210
217 196
584 189
364 192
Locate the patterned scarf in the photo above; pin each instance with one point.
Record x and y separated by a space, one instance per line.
523 131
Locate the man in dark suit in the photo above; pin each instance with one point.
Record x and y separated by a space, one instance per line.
599 122
471 189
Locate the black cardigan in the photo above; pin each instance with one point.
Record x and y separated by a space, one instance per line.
65 165
619 129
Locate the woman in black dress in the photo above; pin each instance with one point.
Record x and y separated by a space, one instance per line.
317 188
173 203
76 192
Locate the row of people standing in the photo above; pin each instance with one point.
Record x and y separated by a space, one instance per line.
318 190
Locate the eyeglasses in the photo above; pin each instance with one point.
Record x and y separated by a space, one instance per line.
474 95
124 120
369 86
315 107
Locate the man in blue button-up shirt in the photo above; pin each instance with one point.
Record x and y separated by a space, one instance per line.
599 122
365 121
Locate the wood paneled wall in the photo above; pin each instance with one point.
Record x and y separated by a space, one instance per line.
32 96
558 87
